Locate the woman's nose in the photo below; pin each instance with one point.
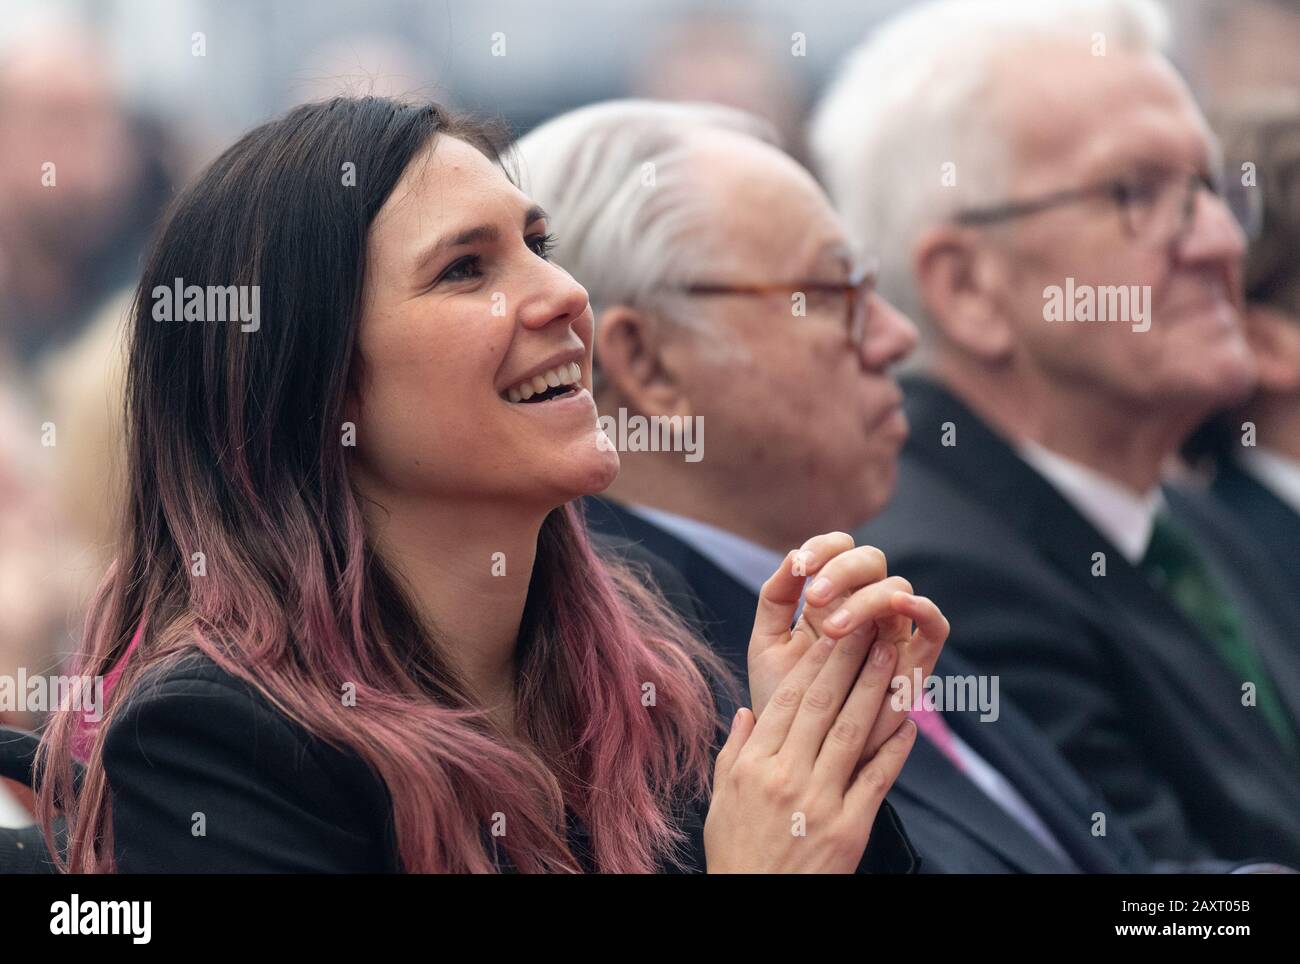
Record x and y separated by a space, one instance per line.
559 298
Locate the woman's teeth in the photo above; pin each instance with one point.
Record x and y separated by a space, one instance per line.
569 373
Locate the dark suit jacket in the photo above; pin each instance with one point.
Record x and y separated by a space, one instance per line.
1116 677
193 739
1269 521
952 823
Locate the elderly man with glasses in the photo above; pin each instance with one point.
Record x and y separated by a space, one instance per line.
724 290
998 154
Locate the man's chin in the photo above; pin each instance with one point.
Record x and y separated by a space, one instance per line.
1235 378
878 486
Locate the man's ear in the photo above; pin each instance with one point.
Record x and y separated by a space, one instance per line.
1274 337
957 280
630 357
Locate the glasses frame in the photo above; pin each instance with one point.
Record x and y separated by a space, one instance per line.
857 292
1120 191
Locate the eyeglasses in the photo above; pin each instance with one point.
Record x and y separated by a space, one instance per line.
1157 208
856 294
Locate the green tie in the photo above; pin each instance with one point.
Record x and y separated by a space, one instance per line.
1174 564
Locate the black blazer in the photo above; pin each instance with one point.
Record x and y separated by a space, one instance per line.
1270 521
954 826
194 740
1115 676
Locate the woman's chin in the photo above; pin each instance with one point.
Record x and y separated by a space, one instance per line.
587 474
599 472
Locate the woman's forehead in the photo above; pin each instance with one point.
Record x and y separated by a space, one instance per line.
445 177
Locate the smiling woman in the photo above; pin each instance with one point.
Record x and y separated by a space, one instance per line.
405 654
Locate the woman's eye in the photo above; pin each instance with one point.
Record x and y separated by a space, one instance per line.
462 269
542 245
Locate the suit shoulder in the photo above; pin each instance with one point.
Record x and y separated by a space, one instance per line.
194 696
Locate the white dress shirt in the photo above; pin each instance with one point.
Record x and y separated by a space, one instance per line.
751 565
1277 473
1123 516
12 813
748 563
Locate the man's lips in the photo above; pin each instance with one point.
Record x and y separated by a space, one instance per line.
888 407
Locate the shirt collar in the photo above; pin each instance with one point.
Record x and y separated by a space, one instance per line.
1277 473
747 562
1123 516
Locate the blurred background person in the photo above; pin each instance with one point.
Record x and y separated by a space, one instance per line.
82 184
82 178
1232 49
998 152
729 59
1241 56
1255 448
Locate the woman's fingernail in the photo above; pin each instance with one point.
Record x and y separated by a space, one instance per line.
820 585
840 619
880 655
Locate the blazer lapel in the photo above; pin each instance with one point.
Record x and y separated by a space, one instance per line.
993 473
1271 520
726 606
931 781
1263 597
1055 792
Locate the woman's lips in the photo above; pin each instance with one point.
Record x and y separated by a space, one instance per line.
564 405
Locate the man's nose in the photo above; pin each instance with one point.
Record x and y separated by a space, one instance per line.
1214 234
890 335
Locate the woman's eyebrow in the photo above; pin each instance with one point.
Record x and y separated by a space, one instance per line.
479 234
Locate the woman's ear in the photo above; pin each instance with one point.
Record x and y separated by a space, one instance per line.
1274 337
957 281
630 359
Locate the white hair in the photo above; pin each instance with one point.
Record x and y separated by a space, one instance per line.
915 97
617 180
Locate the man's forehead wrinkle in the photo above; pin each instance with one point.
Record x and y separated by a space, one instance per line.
1155 131
1056 132
769 225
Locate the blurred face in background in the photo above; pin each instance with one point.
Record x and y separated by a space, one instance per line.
1268 135
58 105
1088 120
793 409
